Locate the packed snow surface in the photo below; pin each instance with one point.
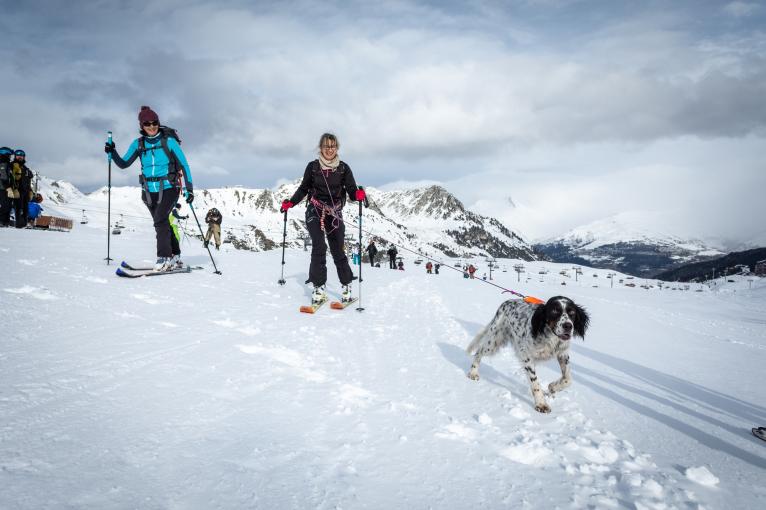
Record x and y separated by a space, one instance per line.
202 391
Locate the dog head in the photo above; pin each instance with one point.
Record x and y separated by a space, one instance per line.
562 316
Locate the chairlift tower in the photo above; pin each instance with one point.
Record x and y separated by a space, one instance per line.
519 268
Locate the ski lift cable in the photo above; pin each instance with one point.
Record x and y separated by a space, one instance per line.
528 299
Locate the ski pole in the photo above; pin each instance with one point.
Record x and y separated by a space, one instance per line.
284 241
360 308
203 236
109 202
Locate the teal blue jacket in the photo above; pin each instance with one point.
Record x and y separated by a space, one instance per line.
154 161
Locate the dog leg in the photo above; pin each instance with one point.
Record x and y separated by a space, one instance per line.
474 372
566 378
537 392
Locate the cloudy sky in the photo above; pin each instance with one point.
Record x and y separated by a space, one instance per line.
544 113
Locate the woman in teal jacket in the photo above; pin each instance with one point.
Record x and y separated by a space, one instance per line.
164 171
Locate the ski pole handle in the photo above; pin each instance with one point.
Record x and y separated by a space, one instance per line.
109 141
366 202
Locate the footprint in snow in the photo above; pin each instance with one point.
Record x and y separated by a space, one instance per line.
146 299
35 292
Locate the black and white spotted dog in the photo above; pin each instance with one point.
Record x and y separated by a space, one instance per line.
537 332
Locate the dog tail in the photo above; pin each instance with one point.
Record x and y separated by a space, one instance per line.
474 345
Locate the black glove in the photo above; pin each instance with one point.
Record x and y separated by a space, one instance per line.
189 195
109 147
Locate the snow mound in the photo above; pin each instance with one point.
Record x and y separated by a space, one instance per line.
702 476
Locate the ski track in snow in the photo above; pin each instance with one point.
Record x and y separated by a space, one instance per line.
210 394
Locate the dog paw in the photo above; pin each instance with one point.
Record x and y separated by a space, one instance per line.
473 376
543 408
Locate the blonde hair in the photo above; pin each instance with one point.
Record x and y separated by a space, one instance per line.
328 137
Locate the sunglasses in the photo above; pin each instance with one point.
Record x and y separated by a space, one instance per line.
150 123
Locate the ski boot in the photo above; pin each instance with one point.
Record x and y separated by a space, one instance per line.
318 295
163 264
346 295
175 262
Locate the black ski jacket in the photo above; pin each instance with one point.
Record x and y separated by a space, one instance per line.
328 187
213 217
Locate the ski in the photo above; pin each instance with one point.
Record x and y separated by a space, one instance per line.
760 433
313 307
127 266
127 273
340 305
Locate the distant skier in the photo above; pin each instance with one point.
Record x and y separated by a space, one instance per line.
163 168
392 257
25 178
401 265
6 190
429 267
471 271
436 268
175 242
372 251
213 218
327 181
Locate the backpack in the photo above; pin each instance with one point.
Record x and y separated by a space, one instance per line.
5 174
173 165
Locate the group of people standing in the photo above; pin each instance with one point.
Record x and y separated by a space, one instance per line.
16 189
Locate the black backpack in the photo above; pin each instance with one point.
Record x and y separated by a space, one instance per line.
5 174
174 167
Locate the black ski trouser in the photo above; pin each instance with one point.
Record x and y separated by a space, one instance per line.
5 208
318 267
22 213
160 211
392 262
18 212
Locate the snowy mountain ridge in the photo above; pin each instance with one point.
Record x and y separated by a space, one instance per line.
427 220
626 243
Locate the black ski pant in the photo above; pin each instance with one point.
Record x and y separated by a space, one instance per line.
5 208
19 213
160 208
22 212
392 262
334 236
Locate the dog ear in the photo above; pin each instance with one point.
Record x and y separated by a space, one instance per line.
581 322
538 320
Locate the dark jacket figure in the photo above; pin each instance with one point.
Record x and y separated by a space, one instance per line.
326 187
392 257
6 188
372 251
436 268
401 265
213 218
25 178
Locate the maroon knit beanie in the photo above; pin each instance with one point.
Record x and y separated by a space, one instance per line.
147 115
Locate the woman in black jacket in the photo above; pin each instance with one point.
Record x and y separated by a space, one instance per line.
327 182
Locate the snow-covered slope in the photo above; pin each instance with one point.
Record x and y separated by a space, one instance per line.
624 242
202 391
